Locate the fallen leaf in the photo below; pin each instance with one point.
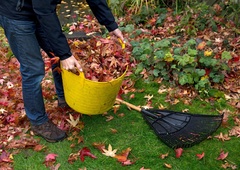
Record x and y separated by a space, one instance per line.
200 156
5 157
51 157
163 156
39 147
123 156
222 137
201 45
72 121
113 130
99 146
148 97
178 152
110 152
227 165
223 155
169 166
86 152
56 167
144 169
109 118
127 162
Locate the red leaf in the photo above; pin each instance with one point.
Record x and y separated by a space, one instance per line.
178 152
86 152
51 157
200 156
5 157
127 162
222 155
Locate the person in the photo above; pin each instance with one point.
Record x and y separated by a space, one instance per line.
32 25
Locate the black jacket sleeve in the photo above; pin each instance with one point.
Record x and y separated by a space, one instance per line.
103 14
45 11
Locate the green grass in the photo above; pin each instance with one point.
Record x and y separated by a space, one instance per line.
133 132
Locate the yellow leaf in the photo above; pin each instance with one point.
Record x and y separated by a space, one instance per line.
72 121
148 97
208 53
169 166
110 152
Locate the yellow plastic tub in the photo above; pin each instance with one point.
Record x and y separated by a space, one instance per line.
90 97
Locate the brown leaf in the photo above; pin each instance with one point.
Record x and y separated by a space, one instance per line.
169 166
99 146
109 118
163 156
113 130
222 137
39 147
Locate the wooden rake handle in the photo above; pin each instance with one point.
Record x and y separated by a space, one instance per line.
129 105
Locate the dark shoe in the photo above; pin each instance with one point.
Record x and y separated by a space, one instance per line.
49 131
62 103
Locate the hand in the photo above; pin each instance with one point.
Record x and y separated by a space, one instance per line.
117 32
71 64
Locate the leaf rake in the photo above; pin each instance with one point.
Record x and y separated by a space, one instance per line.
177 129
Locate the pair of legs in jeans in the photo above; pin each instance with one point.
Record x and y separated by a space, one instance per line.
25 39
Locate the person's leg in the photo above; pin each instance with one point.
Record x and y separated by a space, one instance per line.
24 45
45 45
22 40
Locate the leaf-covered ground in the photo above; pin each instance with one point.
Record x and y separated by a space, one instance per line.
15 128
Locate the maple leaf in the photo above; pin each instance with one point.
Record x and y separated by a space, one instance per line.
201 45
143 168
72 157
169 166
178 152
222 137
222 155
163 156
109 118
123 156
72 121
110 152
235 131
200 156
86 152
99 146
51 157
2 110
39 147
148 97
127 162
5 157
113 130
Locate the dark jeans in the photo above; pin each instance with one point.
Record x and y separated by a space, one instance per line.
25 39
